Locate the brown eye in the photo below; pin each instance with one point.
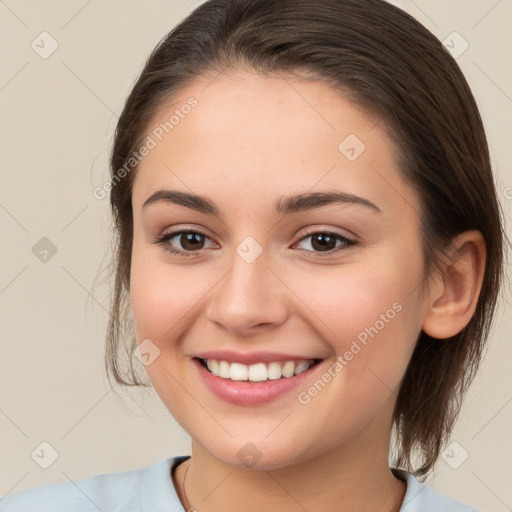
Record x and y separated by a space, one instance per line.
191 241
188 242
325 242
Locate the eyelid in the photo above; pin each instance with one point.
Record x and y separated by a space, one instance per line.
165 237
347 234
186 229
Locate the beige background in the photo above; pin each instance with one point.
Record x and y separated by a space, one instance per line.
58 116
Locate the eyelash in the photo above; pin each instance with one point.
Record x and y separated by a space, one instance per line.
166 247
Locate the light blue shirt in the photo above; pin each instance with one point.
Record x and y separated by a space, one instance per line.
151 489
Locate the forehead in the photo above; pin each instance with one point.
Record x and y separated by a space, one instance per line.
247 136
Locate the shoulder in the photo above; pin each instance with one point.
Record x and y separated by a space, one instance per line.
149 488
421 498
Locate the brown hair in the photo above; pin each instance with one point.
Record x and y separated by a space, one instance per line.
392 66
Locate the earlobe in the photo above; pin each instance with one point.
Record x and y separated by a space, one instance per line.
452 302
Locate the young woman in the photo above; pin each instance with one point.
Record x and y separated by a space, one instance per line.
310 247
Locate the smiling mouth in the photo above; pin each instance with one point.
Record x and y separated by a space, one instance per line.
258 372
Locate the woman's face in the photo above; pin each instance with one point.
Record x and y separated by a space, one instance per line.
270 278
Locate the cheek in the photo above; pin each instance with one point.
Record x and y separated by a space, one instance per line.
160 295
348 300
369 320
367 315
164 303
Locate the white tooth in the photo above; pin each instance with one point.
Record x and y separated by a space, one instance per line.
274 370
213 366
258 372
224 370
288 369
238 371
301 367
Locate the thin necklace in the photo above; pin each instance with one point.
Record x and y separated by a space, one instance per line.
188 507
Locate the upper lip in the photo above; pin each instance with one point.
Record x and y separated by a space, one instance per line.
251 357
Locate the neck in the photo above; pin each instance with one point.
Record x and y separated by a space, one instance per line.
352 477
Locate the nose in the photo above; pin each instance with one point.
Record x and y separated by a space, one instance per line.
250 298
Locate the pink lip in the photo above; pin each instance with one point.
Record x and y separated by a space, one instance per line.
250 393
252 357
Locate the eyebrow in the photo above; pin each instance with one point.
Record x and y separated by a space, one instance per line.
285 205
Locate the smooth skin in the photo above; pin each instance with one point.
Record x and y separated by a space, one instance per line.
250 140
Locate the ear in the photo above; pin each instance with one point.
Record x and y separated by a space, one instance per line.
452 301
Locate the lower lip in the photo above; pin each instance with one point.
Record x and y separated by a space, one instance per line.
251 393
